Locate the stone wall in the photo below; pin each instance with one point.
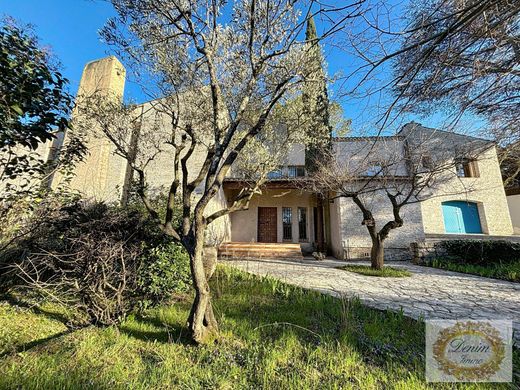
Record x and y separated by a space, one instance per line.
513 202
101 175
423 252
355 240
487 191
363 253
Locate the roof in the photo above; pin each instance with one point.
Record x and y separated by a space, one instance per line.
367 138
414 126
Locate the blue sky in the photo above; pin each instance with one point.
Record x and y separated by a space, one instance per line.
70 28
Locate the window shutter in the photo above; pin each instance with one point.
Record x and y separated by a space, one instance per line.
474 169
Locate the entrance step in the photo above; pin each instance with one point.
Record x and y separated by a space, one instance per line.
260 250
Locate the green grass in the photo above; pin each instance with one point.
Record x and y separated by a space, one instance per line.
273 336
504 271
386 272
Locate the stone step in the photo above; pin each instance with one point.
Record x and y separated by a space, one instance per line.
257 255
260 250
260 245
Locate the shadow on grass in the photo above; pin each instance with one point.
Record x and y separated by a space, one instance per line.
150 328
35 343
274 309
14 301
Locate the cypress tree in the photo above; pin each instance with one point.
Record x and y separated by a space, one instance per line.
316 101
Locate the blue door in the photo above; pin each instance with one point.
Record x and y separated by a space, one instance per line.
461 217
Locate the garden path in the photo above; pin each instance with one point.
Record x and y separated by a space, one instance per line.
428 293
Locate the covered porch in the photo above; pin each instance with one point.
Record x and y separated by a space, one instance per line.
282 214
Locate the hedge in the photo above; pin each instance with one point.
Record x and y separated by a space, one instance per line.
482 251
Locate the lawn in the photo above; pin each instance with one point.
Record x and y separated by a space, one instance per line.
274 336
505 271
386 272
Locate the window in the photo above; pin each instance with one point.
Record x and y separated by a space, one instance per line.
427 162
302 223
466 167
287 223
296 171
276 174
290 171
374 169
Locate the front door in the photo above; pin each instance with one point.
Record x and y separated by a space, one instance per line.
267 224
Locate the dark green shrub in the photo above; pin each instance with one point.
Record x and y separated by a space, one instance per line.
506 271
165 271
482 251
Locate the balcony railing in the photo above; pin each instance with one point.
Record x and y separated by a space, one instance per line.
287 172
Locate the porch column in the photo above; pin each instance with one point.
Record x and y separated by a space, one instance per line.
320 234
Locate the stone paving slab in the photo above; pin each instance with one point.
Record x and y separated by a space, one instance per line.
428 293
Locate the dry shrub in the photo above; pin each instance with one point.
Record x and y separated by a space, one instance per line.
98 259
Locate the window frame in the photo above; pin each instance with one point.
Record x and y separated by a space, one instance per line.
287 226
466 168
302 224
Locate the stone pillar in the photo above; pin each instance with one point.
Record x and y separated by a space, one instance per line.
101 176
320 234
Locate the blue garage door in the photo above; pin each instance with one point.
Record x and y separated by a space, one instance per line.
461 217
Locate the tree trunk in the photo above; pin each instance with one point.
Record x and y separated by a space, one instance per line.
377 254
202 323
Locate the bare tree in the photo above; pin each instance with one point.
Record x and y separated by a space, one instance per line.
222 70
390 173
464 55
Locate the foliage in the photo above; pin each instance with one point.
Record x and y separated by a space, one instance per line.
160 277
315 100
463 56
483 252
35 106
506 271
386 272
218 71
103 261
275 336
34 100
509 157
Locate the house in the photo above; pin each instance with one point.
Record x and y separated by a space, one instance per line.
470 202
513 201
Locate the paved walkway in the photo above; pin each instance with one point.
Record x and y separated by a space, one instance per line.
429 292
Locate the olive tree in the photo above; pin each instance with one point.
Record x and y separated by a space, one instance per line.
226 70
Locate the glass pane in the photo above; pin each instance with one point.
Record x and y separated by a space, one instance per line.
295 171
459 166
302 223
287 223
277 174
373 170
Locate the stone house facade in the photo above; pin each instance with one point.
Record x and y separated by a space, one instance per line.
286 212
513 201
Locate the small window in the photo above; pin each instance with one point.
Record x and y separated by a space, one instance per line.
287 223
427 162
276 174
466 168
296 171
302 223
374 169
